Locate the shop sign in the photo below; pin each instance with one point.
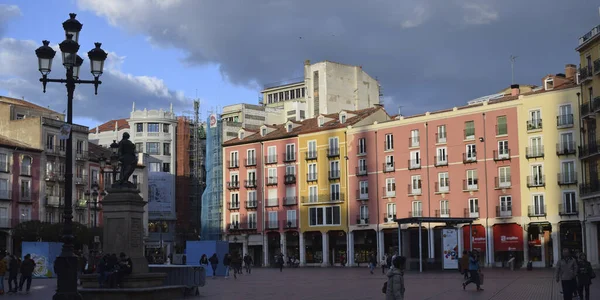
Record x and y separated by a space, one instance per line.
508 237
478 238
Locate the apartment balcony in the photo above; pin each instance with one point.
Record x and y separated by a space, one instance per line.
566 148
288 201
361 150
440 160
272 202
534 125
272 224
503 182
588 109
361 171
289 157
469 134
415 213
323 198
568 209
237 226
233 164
80 180
505 155
536 181
597 66
310 155
585 73
250 162
311 177
471 212
442 213
271 159
442 189
81 155
440 138
503 211
501 129
414 164
5 194
54 176
362 196
414 141
536 211
388 193
564 121
233 185
414 191
469 159
362 220
250 204
589 188
470 185
534 152
567 178
334 174
333 152
289 224
234 205
271 180
289 179
389 167
250 184
389 218
588 150
56 151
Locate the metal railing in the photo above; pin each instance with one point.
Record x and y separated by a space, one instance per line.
566 148
389 218
271 202
468 159
534 124
565 120
289 157
251 203
415 213
503 182
333 151
568 209
233 185
289 224
323 198
588 188
470 185
501 156
536 210
81 155
442 213
334 174
472 212
536 181
233 164
414 191
289 179
250 183
390 193
362 220
440 160
249 162
534 152
442 189
504 211
310 155
271 159
361 172
272 224
414 164
271 180
567 178
311 177
241 226
362 196
388 167
293 200
234 204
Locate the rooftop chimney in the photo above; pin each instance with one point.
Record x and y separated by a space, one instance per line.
514 90
307 62
570 71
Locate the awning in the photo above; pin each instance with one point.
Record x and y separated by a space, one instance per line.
478 237
508 237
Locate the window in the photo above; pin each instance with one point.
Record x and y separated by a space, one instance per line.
469 130
334 169
535 120
312 149
362 146
273 222
342 118
501 127
153 127
414 138
139 147
569 203
241 135
291 218
505 206
471 152
362 166
20 116
62 145
364 212
444 182
155 167
417 209
568 174
504 177
324 216
321 121
272 176
134 178
389 142
290 127
25 214
3 162
539 206
472 180
444 208
234 178
252 220
391 212
166 148
389 163
25 190
312 172
537 176
442 156
252 177
537 148
166 128
415 185
334 192
363 190
503 152
390 187
234 159
235 219
565 116
50 142
263 131
473 208
441 134
95 176
567 144
272 154
4 190
313 194
153 148
166 167
26 166
235 200
415 159
334 146
139 127
549 83
79 146
290 152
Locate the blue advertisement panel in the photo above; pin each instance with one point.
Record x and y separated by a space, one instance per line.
43 254
195 249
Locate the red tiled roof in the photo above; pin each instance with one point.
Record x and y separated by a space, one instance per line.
110 126
24 103
11 143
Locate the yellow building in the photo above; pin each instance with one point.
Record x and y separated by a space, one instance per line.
589 78
548 139
323 184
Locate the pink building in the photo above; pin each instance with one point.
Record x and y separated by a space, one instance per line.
454 163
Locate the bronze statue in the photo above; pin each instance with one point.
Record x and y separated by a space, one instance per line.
128 160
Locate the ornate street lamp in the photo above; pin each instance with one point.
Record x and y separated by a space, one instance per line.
65 265
114 159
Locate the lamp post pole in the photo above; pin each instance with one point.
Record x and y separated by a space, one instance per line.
65 265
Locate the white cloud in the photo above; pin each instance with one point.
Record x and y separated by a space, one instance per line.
7 12
479 14
19 76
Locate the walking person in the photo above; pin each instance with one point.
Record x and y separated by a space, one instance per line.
474 271
204 261
248 263
394 289
281 261
13 271
214 263
227 263
372 263
27 267
584 277
566 273
3 269
384 260
463 264
235 263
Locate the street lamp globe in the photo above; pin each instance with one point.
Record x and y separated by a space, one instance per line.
72 26
45 54
114 157
69 49
97 57
102 161
77 66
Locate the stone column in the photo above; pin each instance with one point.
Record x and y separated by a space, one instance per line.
283 243
265 250
431 243
302 249
380 245
556 247
244 245
350 256
325 262
592 243
490 246
525 247
461 242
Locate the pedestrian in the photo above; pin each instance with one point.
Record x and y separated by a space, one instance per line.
280 261
214 263
248 263
13 271
27 268
566 273
102 271
372 263
474 271
227 263
235 262
584 276
343 260
204 260
3 269
384 260
463 265
394 289
125 268
511 261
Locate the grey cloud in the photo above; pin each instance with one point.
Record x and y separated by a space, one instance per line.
442 53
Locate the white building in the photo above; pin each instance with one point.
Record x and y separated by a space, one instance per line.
237 116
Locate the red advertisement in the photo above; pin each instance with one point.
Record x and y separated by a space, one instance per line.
478 237
508 237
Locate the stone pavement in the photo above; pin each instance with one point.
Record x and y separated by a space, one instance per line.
357 283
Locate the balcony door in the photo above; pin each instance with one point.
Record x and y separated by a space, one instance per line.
538 205
537 175
566 142
568 172
391 212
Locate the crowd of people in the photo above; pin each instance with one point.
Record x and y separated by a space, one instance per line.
575 274
13 265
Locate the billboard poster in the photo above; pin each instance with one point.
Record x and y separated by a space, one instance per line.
160 194
450 248
213 121
43 254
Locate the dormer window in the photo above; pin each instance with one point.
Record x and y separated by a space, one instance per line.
289 127
549 83
321 121
342 118
241 135
263 131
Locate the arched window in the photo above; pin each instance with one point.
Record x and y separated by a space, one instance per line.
26 165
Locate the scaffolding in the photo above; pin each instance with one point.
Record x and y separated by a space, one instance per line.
212 198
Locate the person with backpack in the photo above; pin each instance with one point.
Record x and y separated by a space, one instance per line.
214 263
248 263
227 263
27 267
585 275
394 287
13 270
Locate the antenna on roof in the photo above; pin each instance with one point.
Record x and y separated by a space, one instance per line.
399 110
512 67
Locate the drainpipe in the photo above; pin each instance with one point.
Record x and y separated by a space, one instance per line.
487 216
429 232
262 171
377 189
348 192
581 136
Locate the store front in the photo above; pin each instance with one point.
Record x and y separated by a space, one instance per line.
540 246
365 244
508 240
313 241
390 241
274 246
478 237
571 236
337 247
292 244
413 246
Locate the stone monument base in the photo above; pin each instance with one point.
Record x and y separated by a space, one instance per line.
143 286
